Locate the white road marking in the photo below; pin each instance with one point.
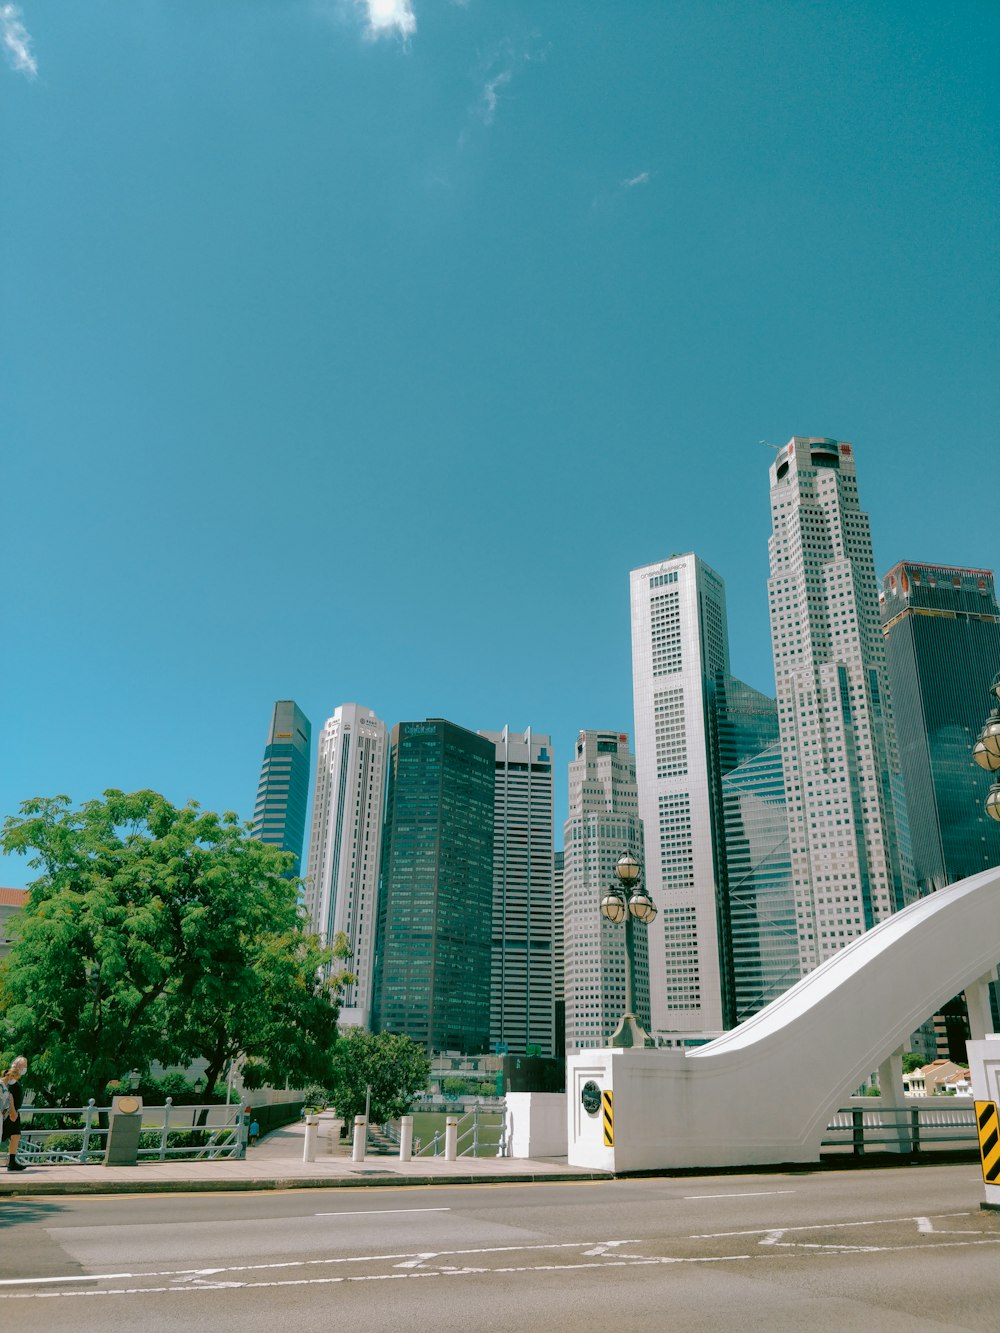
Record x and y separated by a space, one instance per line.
752 1194
185 1273
609 1245
380 1212
818 1226
926 1227
370 1277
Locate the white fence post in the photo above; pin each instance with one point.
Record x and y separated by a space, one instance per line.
406 1138
360 1138
451 1138
312 1132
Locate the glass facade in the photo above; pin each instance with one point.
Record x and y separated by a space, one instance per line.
942 634
279 815
759 881
433 956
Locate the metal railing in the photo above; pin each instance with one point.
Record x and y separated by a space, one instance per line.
210 1131
484 1129
909 1129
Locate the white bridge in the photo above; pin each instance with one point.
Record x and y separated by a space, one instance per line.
765 1092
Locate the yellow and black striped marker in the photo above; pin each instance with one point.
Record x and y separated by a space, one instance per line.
989 1140
609 1119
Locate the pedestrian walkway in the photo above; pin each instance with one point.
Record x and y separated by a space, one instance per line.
276 1163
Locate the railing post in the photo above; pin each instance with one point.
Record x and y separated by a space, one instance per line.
309 1143
475 1131
360 1137
166 1122
858 1131
450 1138
406 1138
915 1129
88 1120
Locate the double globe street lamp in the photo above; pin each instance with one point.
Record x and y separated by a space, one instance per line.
986 751
626 901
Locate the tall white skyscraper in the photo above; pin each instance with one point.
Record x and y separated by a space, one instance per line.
522 1003
837 739
603 823
680 651
345 844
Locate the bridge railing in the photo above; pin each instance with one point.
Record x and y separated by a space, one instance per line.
79 1133
933 1123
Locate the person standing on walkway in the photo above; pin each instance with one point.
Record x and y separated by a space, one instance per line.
12 1115
254 1133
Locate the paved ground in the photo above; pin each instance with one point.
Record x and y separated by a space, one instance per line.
277 1162
900 1251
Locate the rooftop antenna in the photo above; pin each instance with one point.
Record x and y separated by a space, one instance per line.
770 445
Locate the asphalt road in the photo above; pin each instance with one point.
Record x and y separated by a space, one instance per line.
897 1250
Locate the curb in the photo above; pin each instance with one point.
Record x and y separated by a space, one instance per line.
24 1188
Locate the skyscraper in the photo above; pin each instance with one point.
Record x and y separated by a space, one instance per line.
345 845
942 637
762 922
523 1000
559 952
603 823
942 640
680 651
838 744
436 897
279 815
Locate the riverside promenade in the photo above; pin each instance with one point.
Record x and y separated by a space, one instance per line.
276 1163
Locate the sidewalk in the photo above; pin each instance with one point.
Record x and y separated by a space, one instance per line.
276 1163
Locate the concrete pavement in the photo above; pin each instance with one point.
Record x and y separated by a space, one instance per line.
276 1163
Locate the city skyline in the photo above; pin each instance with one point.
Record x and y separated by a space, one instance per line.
296 302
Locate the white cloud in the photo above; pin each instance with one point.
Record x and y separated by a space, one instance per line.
388 17
633 181
489 93
16 41
500 68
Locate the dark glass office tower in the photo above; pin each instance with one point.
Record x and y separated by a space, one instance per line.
763 934
942 635
279 816
432 966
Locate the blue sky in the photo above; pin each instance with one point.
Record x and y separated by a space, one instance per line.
357 351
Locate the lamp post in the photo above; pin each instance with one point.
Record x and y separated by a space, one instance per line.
986 751
625 901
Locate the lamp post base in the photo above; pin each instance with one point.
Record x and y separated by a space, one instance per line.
630 1032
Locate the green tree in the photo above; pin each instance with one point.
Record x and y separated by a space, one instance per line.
160 933
911 1061
394 1067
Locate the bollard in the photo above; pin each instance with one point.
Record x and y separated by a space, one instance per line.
312 1133
360 1138
406 1138
451 1138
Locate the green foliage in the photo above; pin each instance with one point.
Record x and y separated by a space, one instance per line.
911 1061
393 1066
456 1086
160 933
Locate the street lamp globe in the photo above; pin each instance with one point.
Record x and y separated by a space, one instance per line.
986 751
642 907
613 907
628 869
993 802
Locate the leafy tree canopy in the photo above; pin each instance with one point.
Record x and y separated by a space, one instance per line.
160 933
393 1066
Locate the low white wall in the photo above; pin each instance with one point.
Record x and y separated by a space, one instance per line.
984 1066
536 1124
